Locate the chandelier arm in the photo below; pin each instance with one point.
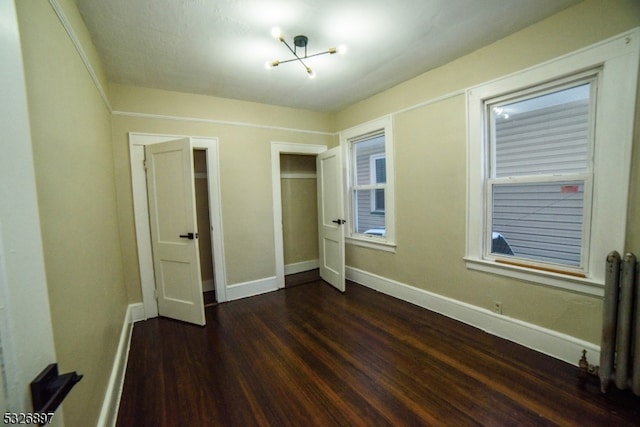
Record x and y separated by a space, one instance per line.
296 56
307 69
306 57
289 47
287 60
318 54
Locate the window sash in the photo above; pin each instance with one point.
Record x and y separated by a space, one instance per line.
575 155
587 181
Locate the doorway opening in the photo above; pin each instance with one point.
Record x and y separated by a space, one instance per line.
278 150
205 247
209 145
299 194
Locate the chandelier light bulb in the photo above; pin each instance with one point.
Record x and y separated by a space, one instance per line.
342 49
311 73
276 33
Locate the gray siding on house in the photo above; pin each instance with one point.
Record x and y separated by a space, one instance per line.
541 221
365 218
545 141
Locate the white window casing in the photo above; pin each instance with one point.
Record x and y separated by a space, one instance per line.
348 138
613 65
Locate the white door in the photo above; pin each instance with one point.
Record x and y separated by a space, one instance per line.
172 216
331 217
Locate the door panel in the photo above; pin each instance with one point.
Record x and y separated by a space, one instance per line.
172 218
331 217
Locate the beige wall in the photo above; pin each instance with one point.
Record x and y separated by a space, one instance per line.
299 208
73 157
245 131
430 150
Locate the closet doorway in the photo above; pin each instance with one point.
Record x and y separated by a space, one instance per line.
295 208
205 247
299 191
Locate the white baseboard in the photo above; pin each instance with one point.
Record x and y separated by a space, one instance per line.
208 285
249 289
300 267
137 312
109 411
552 343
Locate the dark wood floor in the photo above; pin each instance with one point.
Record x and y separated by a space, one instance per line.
309 355
305 277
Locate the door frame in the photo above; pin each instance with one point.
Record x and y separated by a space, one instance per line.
278 148
137 142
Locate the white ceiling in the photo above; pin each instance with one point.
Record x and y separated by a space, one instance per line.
219 47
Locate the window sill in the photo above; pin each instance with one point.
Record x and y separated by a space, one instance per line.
372 243
557 280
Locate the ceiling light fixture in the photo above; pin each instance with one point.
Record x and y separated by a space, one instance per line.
300 41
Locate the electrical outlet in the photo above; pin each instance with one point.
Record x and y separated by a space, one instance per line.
497 307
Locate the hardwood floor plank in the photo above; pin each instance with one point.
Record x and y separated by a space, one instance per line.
309 355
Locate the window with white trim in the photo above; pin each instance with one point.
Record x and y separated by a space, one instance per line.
540 171
549 155
370 181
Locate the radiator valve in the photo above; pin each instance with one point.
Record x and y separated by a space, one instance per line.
585 369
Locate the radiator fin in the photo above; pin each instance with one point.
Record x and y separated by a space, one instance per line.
620 346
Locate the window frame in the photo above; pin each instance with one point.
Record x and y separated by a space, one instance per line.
586 177
616 63
347 139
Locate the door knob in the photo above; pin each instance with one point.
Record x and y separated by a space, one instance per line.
339 221
189 236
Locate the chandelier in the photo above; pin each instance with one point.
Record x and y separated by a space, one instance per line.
301 42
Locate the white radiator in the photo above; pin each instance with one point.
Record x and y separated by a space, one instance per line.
620 347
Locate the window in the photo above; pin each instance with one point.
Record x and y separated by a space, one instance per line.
370 181
539 181
549 152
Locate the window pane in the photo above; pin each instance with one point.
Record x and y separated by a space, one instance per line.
366 220
539 221
547 134
378 202
362 153
380 170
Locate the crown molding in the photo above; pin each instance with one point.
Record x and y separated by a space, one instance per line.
83 56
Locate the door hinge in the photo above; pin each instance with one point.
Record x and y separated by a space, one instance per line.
144 164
